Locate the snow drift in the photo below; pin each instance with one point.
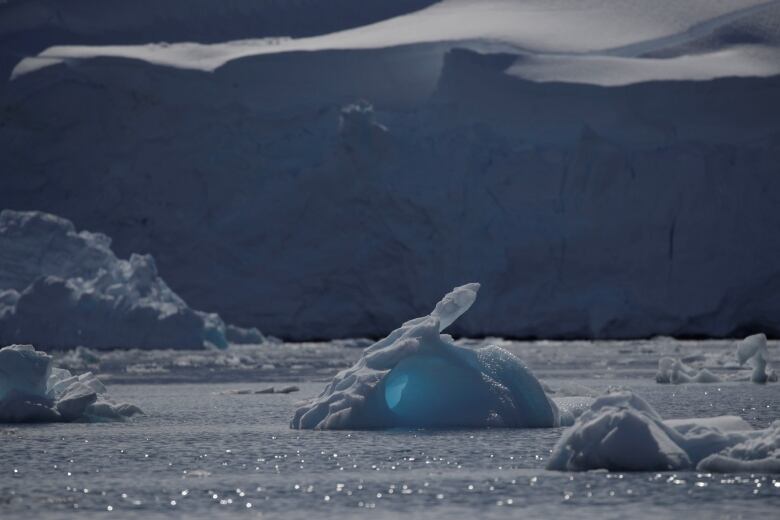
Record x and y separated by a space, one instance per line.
62 288
417 377
622 432
32 391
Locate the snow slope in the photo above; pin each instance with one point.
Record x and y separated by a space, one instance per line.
622 27
30 26
595 185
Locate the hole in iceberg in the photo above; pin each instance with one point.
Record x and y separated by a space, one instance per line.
427 390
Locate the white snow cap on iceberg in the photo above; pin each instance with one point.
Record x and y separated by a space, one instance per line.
622 432
417 377
32 391
63 288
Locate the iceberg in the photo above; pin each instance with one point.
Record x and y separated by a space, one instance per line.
63 288
622 432
671 370
753 348
31 390
417 377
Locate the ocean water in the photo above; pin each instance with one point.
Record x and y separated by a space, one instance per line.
202 453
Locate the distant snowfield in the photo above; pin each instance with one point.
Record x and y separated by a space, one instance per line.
582 32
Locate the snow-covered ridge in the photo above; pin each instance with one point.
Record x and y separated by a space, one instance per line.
62 288
574 40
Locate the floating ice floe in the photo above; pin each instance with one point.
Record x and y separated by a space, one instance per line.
417 377
31 390
672 370
62 288
753 348
267 390
622 432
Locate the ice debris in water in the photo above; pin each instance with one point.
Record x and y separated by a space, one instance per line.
31 390
417 377
671 370
753 348
62 288
622 432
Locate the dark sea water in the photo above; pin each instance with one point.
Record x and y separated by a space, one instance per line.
201 453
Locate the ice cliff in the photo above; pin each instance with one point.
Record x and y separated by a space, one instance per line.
62 288
31 390
594 190
622 432
417 377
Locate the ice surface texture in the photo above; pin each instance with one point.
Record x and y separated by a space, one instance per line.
417 377
622 432
62 288
258 204
753 348
32 391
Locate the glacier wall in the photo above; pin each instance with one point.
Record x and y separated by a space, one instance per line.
584 211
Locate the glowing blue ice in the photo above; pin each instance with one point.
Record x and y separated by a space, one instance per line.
417 377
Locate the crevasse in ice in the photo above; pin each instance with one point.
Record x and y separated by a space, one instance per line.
417 377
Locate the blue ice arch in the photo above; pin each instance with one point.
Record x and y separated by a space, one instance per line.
417 377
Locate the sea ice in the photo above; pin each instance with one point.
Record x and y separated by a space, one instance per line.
417 377
671 370
62 288
753 348
622 432
31 390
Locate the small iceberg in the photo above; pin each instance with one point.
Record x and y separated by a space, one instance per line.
418 378
61 288
31 390
674 371
622 432
753 348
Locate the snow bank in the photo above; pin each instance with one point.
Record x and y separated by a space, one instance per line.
622 432
32 391
417 377
753 348
63 288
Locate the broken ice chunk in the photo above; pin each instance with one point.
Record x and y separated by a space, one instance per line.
32 391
